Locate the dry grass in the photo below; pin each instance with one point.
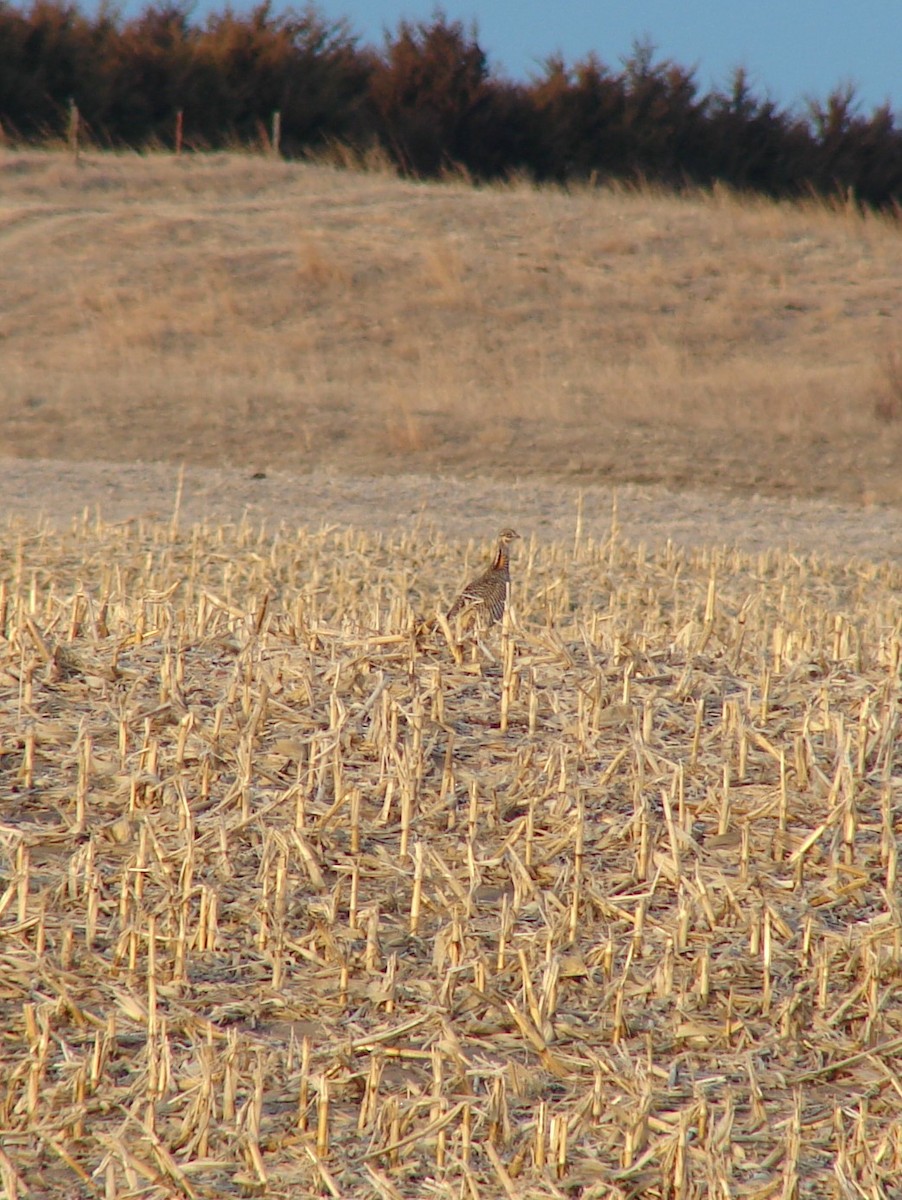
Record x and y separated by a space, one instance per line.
300 899
231 310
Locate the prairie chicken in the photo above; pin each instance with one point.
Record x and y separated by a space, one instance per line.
485 596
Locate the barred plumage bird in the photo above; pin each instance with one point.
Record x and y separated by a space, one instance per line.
485 597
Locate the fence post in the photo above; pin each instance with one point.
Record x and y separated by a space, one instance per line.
276 136
73 129
179 125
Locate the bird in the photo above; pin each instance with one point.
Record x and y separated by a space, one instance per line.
485 597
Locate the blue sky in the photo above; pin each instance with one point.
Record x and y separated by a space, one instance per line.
792 49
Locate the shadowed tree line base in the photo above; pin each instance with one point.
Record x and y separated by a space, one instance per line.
427 98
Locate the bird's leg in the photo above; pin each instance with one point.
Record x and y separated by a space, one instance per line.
480 644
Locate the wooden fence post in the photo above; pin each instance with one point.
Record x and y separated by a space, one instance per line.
276 137
73 129
179 126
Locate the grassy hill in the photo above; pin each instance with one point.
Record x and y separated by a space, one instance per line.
240 310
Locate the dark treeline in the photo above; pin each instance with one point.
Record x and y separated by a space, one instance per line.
427 98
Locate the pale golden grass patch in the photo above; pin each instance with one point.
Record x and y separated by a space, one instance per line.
299 898
406 324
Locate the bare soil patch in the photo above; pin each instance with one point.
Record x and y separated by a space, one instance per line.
56 493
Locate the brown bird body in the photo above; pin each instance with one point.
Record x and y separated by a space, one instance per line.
485 596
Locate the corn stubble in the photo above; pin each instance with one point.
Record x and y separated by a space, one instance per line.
298 898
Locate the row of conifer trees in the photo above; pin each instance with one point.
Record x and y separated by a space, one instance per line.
427 97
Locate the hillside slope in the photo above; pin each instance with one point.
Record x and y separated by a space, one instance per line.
230 310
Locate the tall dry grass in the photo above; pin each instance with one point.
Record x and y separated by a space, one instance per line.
298 898
230 310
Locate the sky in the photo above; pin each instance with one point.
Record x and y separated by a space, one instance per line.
793 50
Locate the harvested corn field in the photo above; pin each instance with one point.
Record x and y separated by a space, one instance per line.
302 897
